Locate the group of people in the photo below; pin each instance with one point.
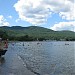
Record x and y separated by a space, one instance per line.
3 43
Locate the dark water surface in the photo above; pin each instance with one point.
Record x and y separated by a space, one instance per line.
39 58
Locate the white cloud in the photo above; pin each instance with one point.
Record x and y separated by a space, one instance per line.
65 8
10 17
68 11
37 11
72 1
64 26
32 11
17 20
3 21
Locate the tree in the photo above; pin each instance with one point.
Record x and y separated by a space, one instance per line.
3 35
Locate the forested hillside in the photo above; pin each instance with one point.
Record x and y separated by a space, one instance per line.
33 33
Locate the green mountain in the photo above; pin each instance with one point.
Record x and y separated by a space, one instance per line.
34 32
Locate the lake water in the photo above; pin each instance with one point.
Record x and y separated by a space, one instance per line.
40 58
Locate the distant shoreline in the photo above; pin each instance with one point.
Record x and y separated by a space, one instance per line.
40 41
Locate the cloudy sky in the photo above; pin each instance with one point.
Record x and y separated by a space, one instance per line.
52 14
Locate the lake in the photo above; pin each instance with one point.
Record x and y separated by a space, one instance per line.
39 58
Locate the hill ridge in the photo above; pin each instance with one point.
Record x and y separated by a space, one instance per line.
37 32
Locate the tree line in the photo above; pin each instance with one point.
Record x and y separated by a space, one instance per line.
4 35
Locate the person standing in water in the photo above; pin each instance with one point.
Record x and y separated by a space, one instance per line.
6 43
0 43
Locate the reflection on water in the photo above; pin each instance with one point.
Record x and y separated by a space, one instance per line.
41 58
49 58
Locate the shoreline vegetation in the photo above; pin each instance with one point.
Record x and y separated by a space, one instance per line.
34 33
